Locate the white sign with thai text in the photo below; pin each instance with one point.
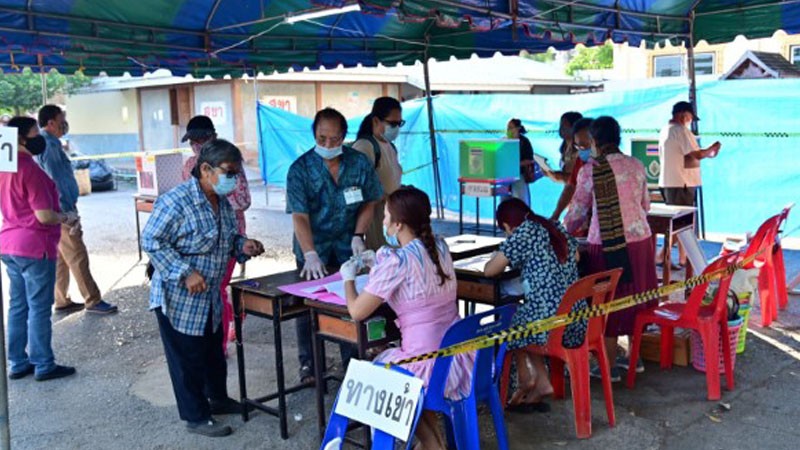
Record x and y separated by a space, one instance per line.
478 189
379 397
285 102
8 149
216 111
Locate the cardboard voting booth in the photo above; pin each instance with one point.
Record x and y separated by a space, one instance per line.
157 174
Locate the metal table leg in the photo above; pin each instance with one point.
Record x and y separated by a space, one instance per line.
316 343
138 227
460 208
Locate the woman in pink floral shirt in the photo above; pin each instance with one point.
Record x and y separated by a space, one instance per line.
611 187
200 130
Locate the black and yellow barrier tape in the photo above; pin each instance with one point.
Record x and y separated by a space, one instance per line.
541 326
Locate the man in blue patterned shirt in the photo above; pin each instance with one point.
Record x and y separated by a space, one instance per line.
331 193
189 238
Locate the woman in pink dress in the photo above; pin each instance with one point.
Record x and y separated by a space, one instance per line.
612 189
416 278
200 130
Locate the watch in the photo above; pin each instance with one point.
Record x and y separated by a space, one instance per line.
363 236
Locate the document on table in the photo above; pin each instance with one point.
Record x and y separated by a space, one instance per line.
337 287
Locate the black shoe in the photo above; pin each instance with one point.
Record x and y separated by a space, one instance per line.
102 308
306 375
21 373
209 428
227 406
58 372
69 309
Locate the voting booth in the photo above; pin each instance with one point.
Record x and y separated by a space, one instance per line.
646 151
158 173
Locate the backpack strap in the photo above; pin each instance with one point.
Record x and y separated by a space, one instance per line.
376 148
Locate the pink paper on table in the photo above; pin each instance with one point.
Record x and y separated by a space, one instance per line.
305 289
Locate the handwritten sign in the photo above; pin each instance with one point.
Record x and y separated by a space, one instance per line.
478 189
216 111
379 397
285 102
8 149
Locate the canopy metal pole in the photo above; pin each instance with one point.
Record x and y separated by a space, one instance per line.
258 146
695 128
5 430
432 131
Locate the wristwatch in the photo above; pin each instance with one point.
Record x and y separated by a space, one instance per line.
363 236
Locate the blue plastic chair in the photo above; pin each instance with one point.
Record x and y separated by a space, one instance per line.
462 415
337 426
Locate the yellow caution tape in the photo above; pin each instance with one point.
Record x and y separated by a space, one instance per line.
168 151
541 326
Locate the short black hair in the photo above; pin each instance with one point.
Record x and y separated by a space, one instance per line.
581 124
48 113
214 153
23 125
329 114
605 130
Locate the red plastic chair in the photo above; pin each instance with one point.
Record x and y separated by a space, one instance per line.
710 321
772 273
777 259
600 289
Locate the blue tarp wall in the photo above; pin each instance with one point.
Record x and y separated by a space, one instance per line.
758 122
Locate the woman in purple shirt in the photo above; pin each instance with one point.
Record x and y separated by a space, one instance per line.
29 247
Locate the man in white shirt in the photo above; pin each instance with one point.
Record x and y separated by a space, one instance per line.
680 157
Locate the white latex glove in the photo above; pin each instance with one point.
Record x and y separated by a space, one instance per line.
358 246
349 270
313 268
368 259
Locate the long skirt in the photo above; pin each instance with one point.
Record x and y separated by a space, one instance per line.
643 266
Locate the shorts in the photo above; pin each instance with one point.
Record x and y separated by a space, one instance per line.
683 196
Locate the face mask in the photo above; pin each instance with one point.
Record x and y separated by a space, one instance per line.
36 145
196 146
328 153
584 154
391 240
65 128
225 185
391 132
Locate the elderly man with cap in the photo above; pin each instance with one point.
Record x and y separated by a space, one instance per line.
200 130
680 157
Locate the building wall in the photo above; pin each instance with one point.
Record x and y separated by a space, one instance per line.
158 133
216 101
104 122
349 98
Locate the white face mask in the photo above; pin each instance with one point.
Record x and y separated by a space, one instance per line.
328 153
391 132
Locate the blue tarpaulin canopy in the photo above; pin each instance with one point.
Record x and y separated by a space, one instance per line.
220 37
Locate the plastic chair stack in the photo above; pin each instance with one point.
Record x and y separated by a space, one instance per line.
337 427
462 415
598 289
711 321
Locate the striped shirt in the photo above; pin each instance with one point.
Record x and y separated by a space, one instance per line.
185 235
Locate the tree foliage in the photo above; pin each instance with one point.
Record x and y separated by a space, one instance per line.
21 93
586 58
545 57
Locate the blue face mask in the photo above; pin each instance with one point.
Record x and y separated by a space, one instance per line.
585 154
391 240
225 185
391 132
328 153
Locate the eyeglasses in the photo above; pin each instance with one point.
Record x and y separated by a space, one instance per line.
228 173
396 123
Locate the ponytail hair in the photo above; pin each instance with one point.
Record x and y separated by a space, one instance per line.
381 108
412 207
514 211
518 123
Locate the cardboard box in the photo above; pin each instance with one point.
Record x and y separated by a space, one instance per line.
157 174
651 347
489 159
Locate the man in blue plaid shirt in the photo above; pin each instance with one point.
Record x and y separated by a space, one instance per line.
190 237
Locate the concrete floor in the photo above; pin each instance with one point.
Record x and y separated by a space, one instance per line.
122 397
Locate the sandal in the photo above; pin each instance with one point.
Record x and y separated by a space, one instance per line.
527 408
306 375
